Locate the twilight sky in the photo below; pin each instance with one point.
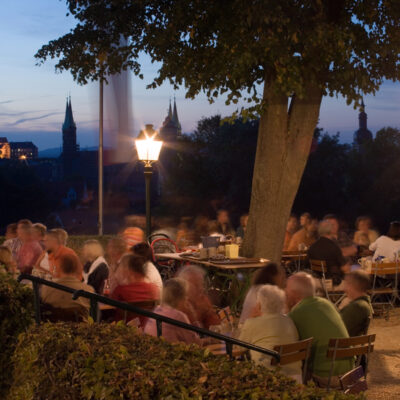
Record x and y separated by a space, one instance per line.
32 99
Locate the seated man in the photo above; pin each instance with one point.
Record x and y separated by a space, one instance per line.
356 315
68 268
271 328
326 249
173 300
134 287
317 318
199 308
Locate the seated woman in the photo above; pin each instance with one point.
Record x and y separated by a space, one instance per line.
95 270
271 328
364 235
152 274
387 246
134 287
271 274
198 308
173 301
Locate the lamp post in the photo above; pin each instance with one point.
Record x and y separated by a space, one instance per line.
148 146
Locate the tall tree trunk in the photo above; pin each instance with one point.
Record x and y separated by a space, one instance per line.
284 141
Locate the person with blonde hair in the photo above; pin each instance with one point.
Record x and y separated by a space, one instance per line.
271 328
95 270
39 231
173 302
6 260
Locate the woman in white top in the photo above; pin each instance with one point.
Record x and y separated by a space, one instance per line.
387 246
271 274
152 274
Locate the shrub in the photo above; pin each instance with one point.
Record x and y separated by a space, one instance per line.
16 315
92 361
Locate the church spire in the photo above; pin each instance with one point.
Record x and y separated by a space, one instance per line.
362 135
175 118
69 118
362 117
170 109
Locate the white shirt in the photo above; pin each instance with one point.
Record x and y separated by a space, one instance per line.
153 275
250 302
386 247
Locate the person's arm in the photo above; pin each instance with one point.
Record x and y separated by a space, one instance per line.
373 246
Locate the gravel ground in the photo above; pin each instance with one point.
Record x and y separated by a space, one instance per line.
384 366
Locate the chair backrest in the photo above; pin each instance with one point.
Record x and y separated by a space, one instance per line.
318 266
225 314
350 347
354 381
292 352
385 268
56 314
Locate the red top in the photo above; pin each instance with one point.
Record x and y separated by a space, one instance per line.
135 292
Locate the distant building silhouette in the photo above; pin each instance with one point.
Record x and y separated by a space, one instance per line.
70 148
171 129
23 150
362 135
5 149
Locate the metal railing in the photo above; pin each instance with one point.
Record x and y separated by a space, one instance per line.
95 298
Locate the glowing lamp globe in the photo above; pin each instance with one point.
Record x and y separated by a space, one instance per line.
148 145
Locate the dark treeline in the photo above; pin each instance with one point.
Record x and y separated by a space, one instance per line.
215 168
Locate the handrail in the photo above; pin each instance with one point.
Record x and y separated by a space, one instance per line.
96 298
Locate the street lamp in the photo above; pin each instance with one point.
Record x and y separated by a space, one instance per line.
148 146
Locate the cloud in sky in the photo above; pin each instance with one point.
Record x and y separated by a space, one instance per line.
22 120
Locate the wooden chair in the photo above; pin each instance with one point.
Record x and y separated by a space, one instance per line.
226 315
56 314
385 283
354 381
319 268
350 347
292 352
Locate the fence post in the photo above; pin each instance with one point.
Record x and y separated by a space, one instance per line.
36 301
228 346
159 327
93 309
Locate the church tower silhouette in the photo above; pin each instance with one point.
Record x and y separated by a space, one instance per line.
69 148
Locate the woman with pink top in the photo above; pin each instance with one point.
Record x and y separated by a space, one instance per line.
174 297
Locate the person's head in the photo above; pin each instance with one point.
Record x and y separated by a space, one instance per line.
38 230
292 223
92 249
143 250
298 287
363 224
394 230
332 218
23 228
63 235
174 292
223 217
305 219
133 268
194 276
6 258
243 220
52 240
116 248
356 284
326 229
271 274
312 227
271 299
69 265
11 231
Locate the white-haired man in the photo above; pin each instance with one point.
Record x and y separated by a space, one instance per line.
271 328
318 318
326 249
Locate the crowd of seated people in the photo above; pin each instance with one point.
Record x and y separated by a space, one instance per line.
277 310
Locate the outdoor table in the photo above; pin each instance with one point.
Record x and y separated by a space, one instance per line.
294 256
230 277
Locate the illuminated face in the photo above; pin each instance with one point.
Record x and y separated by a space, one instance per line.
223 217
364 225
51 243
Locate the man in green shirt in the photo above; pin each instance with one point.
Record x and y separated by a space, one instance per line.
317 318
357 314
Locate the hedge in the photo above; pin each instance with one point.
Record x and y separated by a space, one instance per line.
16 315
100 361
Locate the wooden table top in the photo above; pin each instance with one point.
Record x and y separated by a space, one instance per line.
222 265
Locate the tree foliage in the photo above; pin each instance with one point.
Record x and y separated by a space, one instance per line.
232 46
